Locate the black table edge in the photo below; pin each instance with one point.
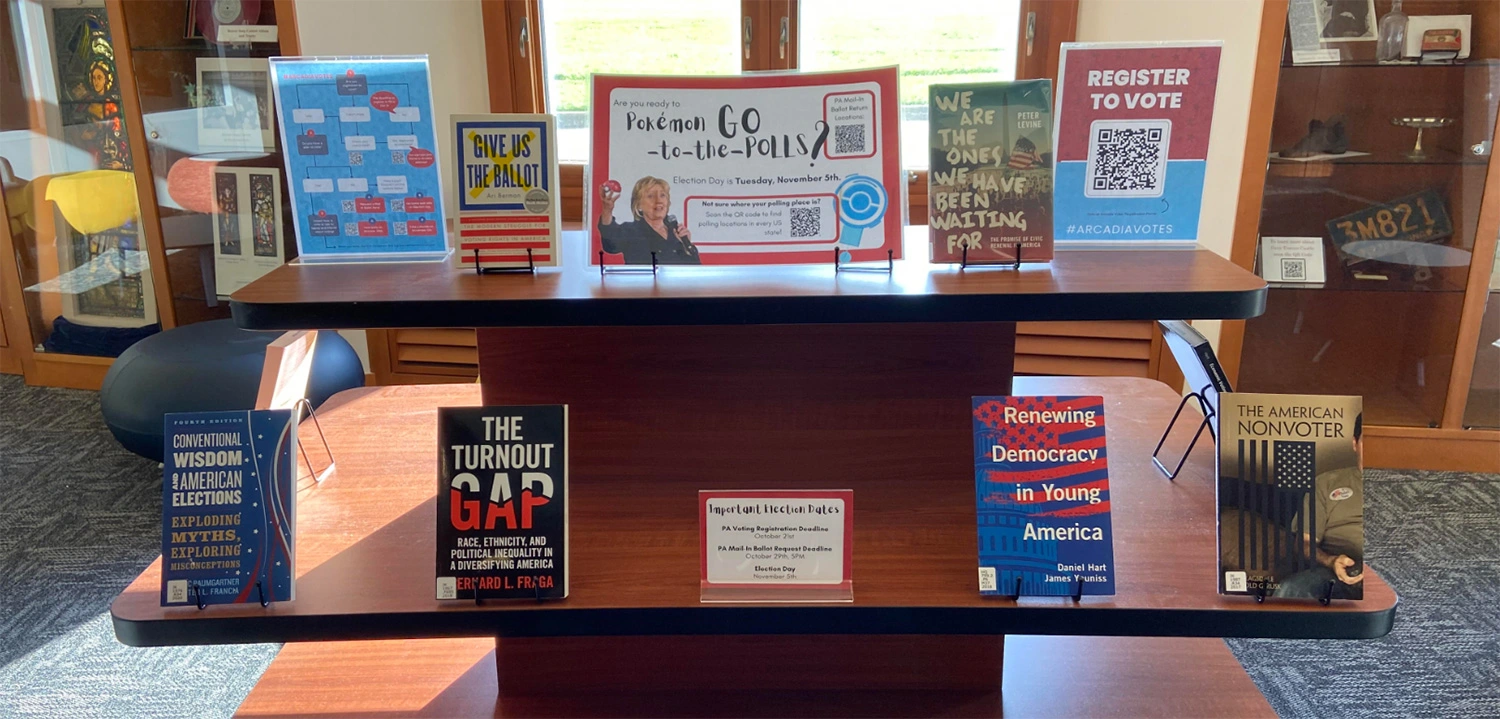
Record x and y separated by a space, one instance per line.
1052 619
823 309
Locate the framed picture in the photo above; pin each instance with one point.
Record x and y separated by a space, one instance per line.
1346 20
247 226
234 105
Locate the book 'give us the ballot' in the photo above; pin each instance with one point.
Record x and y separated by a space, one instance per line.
1041 484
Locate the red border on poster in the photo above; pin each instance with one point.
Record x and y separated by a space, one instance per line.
887 128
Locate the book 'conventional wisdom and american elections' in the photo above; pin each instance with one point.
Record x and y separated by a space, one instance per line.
228 507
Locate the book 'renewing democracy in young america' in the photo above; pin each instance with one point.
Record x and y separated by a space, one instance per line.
502 508
228 507
1041 482
1291 496
989 188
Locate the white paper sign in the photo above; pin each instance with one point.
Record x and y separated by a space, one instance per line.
1292 259
238 34
783 538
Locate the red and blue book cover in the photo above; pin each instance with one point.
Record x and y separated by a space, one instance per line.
228 507
1041 481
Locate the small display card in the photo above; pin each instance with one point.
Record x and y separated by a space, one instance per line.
1292 259
777 545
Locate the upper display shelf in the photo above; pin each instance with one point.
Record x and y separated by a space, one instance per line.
1470 62
1126 284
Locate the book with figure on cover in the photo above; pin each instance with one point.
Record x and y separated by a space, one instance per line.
1041 483
1291 496
502 502
990 185
228 507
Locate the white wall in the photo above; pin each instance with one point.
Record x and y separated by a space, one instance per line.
449 32
1237 24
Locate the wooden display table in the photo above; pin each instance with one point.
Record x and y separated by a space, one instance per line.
791 377
366 553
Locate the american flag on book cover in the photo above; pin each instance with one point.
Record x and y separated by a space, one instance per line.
1024 156
1042 496
1275 507
500 239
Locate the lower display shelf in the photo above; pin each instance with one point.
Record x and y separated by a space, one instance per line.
366 551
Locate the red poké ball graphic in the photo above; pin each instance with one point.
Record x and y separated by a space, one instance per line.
309 133
613 186
349 72
419 158
322 213
384 101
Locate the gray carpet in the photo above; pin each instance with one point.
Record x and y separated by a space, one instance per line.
79 519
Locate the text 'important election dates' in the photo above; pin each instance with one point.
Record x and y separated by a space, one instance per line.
502 502
1041 483
361 156
228 507
787 537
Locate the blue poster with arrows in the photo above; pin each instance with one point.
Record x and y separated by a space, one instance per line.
361 157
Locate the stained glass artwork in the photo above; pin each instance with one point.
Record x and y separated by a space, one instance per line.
89 106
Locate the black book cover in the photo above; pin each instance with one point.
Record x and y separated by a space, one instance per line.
502 507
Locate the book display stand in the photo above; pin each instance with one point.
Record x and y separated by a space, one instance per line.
963 260
530 268
1209 415
786 377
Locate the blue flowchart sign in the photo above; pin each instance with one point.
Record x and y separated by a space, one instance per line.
361 157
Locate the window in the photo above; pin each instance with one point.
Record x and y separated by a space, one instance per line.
958 41
948 42
581 37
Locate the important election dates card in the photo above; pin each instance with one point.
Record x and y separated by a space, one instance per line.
228 507
502 507
1041 483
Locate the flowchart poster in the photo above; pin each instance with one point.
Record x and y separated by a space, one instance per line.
756 169
1132 129
361 157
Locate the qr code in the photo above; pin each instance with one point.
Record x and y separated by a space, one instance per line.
398 205
1127 158
177 591
806 222
348 205
849 140
447 588
1235 582
987 581
398 227
398 157
356 158
351 229
1293 268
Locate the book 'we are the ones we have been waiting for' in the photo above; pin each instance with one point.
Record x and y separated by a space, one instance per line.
1041 481
502 502
1291 496
228 507
989 192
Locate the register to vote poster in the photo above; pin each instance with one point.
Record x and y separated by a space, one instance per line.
1132 128
759 169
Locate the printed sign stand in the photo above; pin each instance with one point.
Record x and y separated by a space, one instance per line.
776 545
361 154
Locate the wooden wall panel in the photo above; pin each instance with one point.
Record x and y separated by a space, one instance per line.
416 356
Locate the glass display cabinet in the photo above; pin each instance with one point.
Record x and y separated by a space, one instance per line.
141 172
1384 164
